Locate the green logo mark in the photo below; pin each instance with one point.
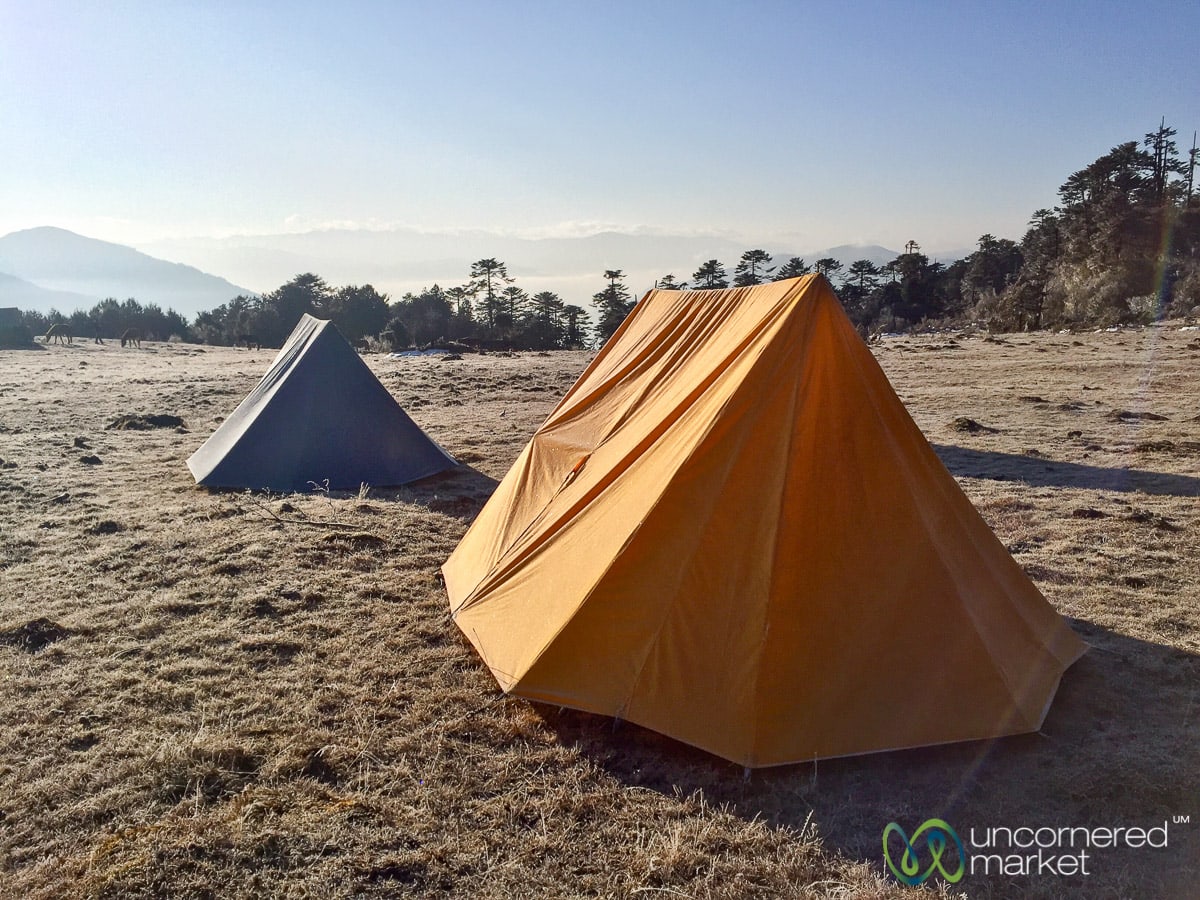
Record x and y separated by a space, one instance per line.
938 836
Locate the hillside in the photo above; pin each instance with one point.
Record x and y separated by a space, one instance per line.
69 271
28 296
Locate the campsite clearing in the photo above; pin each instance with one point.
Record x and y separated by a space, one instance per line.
234 694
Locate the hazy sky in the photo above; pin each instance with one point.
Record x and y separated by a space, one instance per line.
819 123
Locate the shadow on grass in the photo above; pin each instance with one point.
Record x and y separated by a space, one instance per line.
30 345
1117 748
460 492
1041 472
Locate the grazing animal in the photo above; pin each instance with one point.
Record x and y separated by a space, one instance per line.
59 333
249 341
133 337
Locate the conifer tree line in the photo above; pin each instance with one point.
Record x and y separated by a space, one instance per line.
1122 246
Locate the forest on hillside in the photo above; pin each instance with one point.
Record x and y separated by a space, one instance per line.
1121 246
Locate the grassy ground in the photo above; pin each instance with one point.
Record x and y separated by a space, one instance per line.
238 695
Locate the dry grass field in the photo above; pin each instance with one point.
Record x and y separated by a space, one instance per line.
234 695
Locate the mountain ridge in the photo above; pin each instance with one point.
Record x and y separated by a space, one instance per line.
399 260
26 295
47 266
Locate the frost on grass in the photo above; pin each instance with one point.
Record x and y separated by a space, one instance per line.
243 695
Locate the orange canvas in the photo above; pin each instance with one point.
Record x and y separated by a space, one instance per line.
730 531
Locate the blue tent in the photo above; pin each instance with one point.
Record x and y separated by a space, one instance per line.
319 415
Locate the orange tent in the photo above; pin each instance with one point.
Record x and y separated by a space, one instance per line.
731 531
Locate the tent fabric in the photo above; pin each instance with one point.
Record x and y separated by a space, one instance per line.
319 414
730 531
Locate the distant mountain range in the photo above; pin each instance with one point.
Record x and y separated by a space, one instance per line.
398 260
51 268
27 295
41 268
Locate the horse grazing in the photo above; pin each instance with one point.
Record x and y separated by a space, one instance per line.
133 337
59 333
249 341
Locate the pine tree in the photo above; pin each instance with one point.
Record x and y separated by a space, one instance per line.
710 275
487 275
793 268
613 304
752 268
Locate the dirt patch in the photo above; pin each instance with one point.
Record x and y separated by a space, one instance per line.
1159 521
965 425
361 540
1125 415
34 635
138 422
1182 447
208 773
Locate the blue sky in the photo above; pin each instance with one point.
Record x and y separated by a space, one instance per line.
816 123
